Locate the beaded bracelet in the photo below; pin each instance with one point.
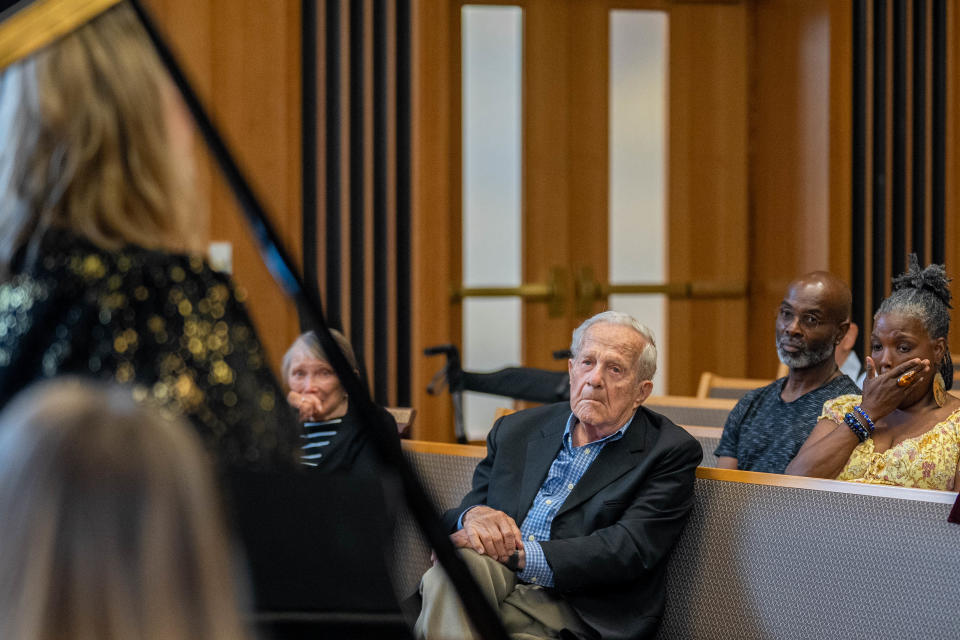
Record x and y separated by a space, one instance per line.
870 425
858 429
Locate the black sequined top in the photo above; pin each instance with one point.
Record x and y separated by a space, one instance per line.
166 324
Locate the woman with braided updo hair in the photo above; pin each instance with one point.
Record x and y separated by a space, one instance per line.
905 429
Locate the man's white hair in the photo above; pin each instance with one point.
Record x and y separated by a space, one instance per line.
646 363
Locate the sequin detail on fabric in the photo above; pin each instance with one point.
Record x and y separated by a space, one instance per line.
164 323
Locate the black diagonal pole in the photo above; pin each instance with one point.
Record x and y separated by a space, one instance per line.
281 267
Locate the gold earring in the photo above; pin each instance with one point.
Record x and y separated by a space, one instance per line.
939 390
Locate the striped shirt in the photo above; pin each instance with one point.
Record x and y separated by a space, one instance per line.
316 436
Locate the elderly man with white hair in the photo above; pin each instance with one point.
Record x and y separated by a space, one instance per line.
574 510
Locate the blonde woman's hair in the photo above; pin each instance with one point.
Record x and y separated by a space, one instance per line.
84 143
112 529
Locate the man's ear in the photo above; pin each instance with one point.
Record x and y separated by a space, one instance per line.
646 387
847 333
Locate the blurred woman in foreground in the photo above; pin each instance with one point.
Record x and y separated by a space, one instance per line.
97 230
111 526
905 429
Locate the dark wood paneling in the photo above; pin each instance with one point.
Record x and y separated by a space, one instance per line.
547 125
790 168
435 257
708 197
244 59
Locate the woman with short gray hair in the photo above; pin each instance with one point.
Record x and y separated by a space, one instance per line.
333 438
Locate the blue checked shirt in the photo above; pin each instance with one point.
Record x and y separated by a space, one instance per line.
565 472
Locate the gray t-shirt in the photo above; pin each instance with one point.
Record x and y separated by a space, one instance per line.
764 433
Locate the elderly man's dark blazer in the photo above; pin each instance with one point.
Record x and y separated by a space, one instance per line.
610 540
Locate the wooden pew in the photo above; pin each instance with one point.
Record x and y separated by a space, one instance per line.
769 556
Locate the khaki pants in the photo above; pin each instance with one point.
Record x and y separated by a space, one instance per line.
528 611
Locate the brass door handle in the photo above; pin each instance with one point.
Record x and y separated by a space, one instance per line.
550 292
588 290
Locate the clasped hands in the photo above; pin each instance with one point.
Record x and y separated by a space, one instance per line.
882 394
307 404
491 533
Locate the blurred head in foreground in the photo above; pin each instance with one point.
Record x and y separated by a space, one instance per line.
111 524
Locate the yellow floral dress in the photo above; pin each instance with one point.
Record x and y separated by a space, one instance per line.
926 461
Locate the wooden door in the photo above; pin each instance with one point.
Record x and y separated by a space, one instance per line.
566 185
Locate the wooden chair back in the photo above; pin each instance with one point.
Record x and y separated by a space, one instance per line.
404 417
714 386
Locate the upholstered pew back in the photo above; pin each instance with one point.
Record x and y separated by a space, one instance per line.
704 412
446 471
709 438
766 556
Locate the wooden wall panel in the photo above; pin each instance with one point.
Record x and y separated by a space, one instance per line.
840 131
708 196
546 166
588 193
244 60
953 169
436 261
790 118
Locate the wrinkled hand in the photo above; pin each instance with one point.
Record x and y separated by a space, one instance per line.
490 532
461 540
308 405
881 394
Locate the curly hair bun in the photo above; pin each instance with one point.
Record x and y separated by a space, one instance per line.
933 279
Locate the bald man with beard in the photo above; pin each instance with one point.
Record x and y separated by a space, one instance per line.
770 424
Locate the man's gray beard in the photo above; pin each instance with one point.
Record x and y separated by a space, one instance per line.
805 358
